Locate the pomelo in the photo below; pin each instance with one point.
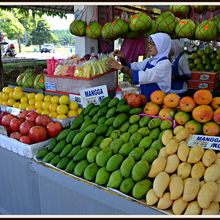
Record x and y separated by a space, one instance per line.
119 27
179 10
140 22
207 30
185 28
28 80
106 31
39 81
166 22
19 79
78 27
94 30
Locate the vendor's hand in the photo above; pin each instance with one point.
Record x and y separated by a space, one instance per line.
113 64
119 54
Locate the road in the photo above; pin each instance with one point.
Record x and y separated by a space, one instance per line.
38 55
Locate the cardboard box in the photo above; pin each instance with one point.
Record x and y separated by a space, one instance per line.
20 148
195 84
70 84
205 76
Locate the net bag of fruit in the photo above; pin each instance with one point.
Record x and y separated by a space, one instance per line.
78 27
119 28
185 28
106 31
181 11
94 30
153 30
140 22
166 22
207 30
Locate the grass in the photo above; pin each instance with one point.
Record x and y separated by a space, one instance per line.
30 49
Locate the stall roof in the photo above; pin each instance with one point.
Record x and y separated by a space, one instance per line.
67 9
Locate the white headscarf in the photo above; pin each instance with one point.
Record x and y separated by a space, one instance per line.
163 45
177 47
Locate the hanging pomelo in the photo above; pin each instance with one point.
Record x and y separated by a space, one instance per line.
153 29
166 22
106 31
140 22
185 28
78 27
179 10
207 30
199 8
94 30
119 27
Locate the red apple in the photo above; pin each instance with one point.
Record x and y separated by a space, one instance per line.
38 133
43 120
25 139
16 135
15 123
23 114
54 128
6 120
31 116
26 126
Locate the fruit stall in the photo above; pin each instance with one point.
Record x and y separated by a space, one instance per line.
78 148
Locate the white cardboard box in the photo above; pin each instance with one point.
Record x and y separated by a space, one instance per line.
20 148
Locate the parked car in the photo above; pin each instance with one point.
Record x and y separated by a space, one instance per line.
48 48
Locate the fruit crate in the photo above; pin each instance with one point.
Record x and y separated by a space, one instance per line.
15 111
70 84
205 76
20 148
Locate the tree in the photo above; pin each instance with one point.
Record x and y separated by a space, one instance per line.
10 25
64 36
41 34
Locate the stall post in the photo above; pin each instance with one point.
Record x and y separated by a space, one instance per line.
86 45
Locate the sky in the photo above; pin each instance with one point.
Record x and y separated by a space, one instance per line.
58 23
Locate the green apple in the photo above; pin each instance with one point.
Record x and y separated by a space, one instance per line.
78 27
94 30
185 28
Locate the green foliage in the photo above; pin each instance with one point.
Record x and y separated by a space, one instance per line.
34 13
10 25
41 34
64 37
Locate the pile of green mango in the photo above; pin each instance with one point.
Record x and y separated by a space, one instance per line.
109 144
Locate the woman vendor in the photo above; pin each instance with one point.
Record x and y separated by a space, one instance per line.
152 73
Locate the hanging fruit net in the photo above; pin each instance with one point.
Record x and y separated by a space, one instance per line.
166 22
185 28
140 22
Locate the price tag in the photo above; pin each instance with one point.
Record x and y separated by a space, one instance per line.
208 142
50 86
3 130
93 95
75 98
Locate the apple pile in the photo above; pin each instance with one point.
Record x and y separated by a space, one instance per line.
30 127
